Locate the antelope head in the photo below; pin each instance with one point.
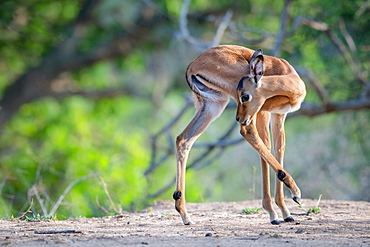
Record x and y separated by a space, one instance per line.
251 97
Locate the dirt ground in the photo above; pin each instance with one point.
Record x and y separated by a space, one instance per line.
339 223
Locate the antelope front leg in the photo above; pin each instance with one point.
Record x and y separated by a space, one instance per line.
278 133
249 132
262 124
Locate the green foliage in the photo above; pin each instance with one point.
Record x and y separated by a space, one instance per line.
315 209
51 143
251 210
28 30
37 218
311 210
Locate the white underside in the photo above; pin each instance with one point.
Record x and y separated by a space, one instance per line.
286 109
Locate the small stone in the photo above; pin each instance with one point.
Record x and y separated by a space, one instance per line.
208 234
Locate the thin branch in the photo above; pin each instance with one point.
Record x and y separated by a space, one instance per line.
353 64
210 160
200 45
183 18
2 184
281 34
350 42
39 199
312 110
219 144
237 33
211 148
100 206
188 103
163 189
314 83
98 94
154 163
27 211
222 28
108 195
347 56
317 25
362 9
65 192
57 231
85 14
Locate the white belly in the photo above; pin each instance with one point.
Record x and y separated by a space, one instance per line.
286 109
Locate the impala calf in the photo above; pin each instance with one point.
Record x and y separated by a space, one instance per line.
264 88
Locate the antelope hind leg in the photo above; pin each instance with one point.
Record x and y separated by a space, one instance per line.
206 112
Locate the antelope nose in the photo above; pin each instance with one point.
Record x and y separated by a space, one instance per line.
237 119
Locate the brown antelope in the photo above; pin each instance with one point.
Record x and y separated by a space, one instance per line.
264 87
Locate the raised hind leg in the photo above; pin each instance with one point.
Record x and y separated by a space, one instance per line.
207 111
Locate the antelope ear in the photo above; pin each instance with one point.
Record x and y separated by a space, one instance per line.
256 65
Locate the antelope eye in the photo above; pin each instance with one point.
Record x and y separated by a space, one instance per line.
245 98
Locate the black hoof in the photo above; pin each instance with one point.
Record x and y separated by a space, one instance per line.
297 200
275 222
289 219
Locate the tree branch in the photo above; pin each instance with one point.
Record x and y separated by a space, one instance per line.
98 94
236 33
315 84
65 192
222 28
347 56
281 34
312 110
200 45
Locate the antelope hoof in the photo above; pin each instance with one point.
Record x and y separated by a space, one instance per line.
297 199
186 219
289 219
190 222
275 222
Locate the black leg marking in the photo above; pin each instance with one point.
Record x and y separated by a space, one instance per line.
177 195
287 185
281 175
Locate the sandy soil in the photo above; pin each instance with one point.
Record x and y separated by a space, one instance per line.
339 223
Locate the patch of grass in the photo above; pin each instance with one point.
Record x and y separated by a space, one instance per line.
251 210
37 218
276 235
315 209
